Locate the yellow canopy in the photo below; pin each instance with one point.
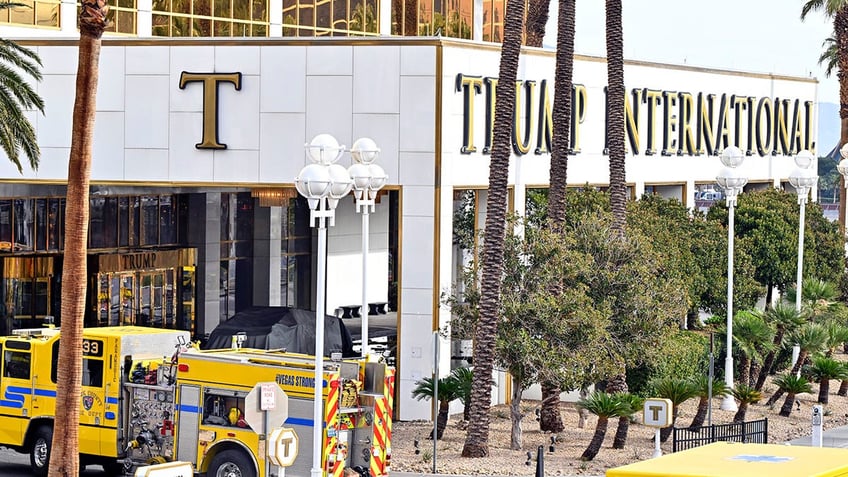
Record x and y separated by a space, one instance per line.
726 459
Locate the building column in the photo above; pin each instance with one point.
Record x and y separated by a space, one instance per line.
385 17
477 29
267 234
275 16
204 233
68 17
144 19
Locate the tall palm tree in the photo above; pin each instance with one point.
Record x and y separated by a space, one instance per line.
751 334
822 371
678 391
550 419
791 385
701 383
615 133
604 406
16 95
811 338
477 440
448 390
746 395
785 319
64 460
838 11
537 18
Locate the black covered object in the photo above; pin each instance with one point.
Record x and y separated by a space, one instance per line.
275 327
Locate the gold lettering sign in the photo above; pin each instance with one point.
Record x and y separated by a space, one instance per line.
210 103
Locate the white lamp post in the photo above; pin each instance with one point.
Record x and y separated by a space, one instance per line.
842 167
732 183
803 178
322 183
368 179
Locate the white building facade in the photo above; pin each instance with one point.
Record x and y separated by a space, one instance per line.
211 124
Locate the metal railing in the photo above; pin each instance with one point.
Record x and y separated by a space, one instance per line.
751 431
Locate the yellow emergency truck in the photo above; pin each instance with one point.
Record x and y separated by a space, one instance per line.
144 402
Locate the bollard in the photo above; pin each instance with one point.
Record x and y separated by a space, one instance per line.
540 462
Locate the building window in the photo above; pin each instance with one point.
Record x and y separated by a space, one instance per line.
296 255
210 18
122 16
493 20
236 264
40 13
308 18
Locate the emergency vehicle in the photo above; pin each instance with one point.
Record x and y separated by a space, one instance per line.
145 402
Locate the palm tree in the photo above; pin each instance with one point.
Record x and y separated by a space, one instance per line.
477 440
678 391
838 10
811 338
550 418
843 387
746 395
791 385
463 377
633 404
784 318
448 391
64 460
537 18
822 371
604 406
837 335
615 145
16 95
701 384
751 334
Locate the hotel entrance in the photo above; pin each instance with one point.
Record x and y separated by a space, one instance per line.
155 288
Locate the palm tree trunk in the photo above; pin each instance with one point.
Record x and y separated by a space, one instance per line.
756 367
774 397
744 368
701 414
615 125
537 18
618 384
787 405
824 389
550 419
477 440
441 420
597 439
666 431
516 415
840 31
843 388
802 356
768 363
740 413
64 460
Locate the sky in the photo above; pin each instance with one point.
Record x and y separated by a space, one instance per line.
762 36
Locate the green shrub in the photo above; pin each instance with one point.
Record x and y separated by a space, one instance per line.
684 355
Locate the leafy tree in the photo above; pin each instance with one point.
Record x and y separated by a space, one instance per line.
701 383
746 395
791 385
822 371
64 460
477 440
604 406
448 391
678 391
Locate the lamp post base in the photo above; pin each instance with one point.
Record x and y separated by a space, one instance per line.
728 404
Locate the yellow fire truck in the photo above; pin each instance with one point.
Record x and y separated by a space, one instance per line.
144 402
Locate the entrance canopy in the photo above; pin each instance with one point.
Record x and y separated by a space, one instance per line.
274 327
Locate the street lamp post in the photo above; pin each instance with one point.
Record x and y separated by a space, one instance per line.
732 183
368 179
803 178
322 183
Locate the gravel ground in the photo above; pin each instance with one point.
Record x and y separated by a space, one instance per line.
565 460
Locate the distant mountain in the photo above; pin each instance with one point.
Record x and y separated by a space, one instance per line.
829 125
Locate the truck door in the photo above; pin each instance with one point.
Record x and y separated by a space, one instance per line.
16 390
92 411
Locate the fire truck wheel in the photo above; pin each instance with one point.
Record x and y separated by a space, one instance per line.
231 463
39 454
